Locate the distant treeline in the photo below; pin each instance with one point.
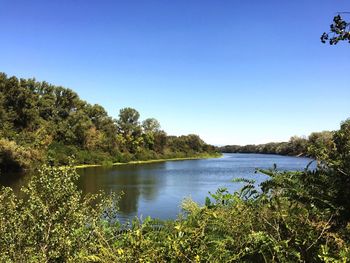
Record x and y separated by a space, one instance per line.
296 146
40 122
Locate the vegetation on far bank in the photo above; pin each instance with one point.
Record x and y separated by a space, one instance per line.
295 217
43 123
296 146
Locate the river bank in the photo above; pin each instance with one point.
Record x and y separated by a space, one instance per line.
206 156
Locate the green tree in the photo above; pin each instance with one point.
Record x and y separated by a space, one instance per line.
55 123
194 142
130 129
160 141
150 127
321 145
298 145
3 117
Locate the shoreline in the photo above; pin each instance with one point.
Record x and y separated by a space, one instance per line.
286 155
82 166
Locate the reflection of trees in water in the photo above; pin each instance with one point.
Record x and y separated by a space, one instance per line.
134 181
15 180
129 200
149 189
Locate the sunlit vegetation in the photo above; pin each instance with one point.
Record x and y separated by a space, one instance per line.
318 144
294 217
42 123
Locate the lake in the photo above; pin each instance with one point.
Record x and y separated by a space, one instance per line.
157 189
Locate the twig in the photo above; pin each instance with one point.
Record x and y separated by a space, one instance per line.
323 230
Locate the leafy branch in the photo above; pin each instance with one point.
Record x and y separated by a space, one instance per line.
339 31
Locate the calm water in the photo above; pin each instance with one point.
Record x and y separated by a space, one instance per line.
158 189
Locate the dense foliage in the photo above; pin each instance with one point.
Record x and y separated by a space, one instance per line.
40 122
294 217
52 221
317 144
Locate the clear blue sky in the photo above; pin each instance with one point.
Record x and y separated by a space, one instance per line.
234 71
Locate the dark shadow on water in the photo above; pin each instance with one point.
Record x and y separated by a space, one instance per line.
15 180
134 181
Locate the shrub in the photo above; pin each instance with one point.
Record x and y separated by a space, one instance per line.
15 157
53 222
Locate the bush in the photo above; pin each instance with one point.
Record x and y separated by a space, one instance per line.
15 157
53 222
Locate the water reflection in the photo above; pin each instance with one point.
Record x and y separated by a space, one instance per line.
134 181
15 180
157 189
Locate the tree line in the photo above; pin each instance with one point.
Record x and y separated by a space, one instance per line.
296 146
40 122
